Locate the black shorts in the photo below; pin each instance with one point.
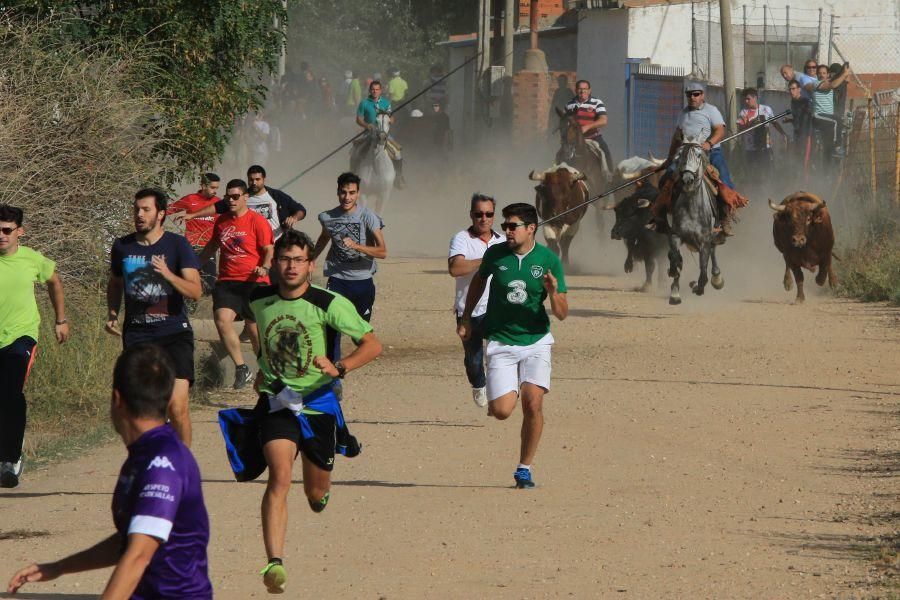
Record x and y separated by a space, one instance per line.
232 294
180 347
284 425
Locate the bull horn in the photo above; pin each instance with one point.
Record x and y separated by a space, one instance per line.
609 207
535 176
629 176
652 158
776 207
643 203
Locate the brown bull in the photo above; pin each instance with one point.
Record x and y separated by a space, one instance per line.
561 188
804 236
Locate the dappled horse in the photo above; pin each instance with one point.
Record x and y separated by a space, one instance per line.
375 168
575 151
693 219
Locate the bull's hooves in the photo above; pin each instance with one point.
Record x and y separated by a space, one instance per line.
674 300
698 291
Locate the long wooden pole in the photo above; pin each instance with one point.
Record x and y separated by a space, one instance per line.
874 178
728 65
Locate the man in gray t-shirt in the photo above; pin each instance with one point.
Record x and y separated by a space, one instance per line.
356 241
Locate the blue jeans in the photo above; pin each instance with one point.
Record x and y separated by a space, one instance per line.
474 352
361 292
717 159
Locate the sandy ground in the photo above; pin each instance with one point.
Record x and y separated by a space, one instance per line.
736 446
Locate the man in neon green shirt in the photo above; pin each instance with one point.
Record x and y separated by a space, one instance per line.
523 275
20 269
298 409
396 87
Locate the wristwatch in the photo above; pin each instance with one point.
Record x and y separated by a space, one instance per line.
341 369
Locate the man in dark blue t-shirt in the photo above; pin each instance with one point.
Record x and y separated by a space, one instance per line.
156 270
159 549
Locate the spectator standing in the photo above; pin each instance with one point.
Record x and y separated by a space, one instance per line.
758 143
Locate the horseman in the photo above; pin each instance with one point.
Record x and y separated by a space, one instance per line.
700 120
590 113
367 118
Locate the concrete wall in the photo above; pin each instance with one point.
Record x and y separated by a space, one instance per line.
662 34
602 49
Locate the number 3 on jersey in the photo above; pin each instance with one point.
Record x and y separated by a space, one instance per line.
517 294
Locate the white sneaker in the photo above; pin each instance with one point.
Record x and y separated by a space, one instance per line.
479 395
10 473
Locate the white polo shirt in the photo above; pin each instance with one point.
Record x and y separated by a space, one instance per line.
471 247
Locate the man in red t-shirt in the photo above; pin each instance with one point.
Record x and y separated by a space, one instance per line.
246 246
199 230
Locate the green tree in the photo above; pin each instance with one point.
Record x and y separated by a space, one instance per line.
210 62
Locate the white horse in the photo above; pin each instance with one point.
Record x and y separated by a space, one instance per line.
375 166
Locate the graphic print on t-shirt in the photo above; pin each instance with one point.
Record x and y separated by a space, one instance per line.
289 347
232 241
341 230
145 286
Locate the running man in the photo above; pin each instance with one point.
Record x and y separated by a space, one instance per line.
301 412
162 528
198 230
466 251
20 269
244 240
523 274
156 270
356 241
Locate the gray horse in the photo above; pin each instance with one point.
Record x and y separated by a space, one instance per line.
693 220
375 166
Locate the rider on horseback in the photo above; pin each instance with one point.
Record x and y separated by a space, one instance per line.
701 120
591 115
367 118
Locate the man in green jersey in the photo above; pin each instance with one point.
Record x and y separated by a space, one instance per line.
20 269
299 411
523 274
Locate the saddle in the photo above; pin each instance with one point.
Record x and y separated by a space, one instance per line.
730 198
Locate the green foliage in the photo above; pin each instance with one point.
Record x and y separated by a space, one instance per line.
870 268
209 63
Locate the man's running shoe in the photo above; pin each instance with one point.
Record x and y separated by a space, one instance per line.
10 473
523 479
479 395
275 577
242 376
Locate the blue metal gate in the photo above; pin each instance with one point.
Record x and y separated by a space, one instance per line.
655 99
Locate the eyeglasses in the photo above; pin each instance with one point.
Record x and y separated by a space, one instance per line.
808 67
693 94
9 230
233 196
292 260
479 215
512 226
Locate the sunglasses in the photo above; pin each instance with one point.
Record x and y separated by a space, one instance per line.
233 196
479 215
7 230
511 226
693 94
808 67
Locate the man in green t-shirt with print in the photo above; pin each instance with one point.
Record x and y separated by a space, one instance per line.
523 275
296 322
20 269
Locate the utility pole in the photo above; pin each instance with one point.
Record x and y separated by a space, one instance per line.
510 10
483 46
728 65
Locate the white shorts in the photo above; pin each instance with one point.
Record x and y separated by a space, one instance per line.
508 367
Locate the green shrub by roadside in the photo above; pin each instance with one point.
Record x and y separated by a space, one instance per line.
869 269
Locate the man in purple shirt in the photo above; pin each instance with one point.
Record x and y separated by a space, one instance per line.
162 529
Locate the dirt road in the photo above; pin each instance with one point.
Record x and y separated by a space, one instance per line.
727 448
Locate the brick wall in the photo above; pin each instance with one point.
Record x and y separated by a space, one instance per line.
548 12
532 93
876 81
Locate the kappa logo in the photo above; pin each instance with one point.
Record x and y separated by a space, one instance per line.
537 271
502 267
160 462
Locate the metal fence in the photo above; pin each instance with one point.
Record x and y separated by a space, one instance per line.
655 97
870 170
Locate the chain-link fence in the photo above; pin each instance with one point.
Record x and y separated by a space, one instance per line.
870 171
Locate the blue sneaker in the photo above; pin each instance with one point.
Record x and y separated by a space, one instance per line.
523 479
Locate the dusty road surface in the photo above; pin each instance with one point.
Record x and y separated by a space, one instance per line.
734 447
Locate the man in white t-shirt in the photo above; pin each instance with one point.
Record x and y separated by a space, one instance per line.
758 143
466 249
